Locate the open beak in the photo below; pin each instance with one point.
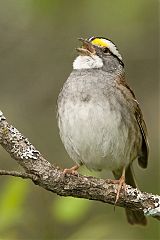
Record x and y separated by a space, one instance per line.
87 48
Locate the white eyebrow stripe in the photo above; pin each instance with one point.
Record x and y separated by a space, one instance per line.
112 48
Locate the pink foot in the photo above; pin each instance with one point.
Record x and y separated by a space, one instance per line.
121 184
72 170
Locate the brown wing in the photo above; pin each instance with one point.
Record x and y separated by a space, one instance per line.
143 158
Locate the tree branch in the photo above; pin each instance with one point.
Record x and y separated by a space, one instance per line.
51 178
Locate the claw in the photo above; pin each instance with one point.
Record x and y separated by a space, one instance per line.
121 184
72 170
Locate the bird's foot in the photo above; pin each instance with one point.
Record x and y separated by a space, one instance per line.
72 170
121 184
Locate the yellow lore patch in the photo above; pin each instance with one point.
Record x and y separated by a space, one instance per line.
99 42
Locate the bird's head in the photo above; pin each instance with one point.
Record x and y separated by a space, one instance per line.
95 52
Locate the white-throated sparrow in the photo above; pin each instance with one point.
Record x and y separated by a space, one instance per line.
100 121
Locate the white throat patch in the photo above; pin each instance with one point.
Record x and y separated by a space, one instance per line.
87 62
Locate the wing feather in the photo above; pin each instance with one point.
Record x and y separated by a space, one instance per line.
143 158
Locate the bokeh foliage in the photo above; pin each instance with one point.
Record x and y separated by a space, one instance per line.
37 45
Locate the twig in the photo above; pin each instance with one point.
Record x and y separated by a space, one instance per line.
51 178
18 174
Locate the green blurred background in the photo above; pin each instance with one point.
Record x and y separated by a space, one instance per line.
37 42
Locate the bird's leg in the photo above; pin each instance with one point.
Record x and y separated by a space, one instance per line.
72 170
121 183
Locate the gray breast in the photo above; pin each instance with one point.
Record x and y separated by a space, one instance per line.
91 120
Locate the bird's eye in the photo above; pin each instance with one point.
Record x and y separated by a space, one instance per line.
105 50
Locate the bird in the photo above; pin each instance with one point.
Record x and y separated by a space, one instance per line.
99 118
